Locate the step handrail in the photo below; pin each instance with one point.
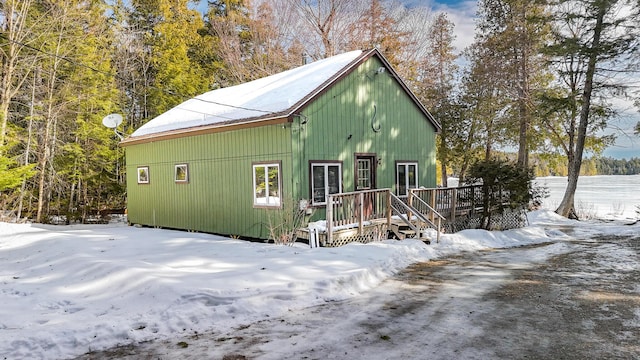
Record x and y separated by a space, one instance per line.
400 214
424 203
415 212
439 216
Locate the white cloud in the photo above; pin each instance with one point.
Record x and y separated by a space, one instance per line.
463 16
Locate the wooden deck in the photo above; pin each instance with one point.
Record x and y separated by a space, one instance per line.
376 215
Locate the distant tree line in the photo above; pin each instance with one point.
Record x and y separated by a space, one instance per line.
611 166
555 165
545 166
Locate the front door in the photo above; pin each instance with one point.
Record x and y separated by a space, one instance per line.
365 179
365 172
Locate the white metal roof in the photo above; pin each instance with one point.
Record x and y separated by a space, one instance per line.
260 98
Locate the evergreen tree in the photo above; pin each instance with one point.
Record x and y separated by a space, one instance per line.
12 176
594 41
611 166
17 58
515 31
89 158
504 186
66 79
439 98
482 105
175 76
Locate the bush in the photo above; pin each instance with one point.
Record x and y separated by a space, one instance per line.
504 186
285 222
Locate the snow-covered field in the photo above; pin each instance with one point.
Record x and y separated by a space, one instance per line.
602 196
67 290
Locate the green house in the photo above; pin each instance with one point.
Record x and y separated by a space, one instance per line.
222 161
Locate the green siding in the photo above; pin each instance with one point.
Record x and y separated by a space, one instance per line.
219 195
340 123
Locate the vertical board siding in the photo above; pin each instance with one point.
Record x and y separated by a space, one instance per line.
335 126
219 195
347 110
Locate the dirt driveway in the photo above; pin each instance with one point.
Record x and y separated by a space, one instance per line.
574 299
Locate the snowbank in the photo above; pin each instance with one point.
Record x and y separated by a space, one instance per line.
67 290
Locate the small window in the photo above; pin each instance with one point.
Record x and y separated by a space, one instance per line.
364 174
266 185
326 179
143 175
182 173
406 177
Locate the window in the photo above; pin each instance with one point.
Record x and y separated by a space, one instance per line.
143 175
406 177
365 171
266 185
364 174
326 179
182 173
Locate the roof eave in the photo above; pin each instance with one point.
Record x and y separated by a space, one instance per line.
271 119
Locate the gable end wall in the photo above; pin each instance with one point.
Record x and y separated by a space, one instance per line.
365 112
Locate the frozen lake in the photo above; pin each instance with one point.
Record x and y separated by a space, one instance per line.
601 195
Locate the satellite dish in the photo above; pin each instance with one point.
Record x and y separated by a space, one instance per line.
112 121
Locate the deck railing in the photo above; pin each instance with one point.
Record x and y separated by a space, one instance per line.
356 208
418 217
436 204
452 201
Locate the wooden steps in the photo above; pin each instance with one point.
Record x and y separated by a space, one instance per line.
402 231
408 233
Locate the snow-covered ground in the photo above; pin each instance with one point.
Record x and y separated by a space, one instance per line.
67 290
601 196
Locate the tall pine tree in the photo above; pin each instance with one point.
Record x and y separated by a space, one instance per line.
516 31
440 97
595 42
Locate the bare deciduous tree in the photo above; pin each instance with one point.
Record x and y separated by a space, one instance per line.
330 21
16 53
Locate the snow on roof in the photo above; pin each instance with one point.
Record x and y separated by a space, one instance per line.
259 98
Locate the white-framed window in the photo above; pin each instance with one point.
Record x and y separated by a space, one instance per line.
143 175
363 168
406 177
181 173
326 179
267 190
